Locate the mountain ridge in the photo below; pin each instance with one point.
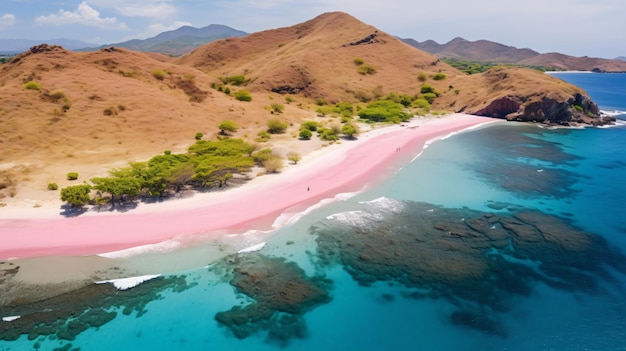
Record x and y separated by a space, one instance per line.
491 52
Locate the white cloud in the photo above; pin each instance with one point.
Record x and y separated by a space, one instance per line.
7 19
84 14
139 8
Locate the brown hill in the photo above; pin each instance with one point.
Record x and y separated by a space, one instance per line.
492 52
316 59
98 110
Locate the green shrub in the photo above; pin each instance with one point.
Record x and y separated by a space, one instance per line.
159 74
358 61
263 136
277 108
199 136
422 77
578 108
430 97
366 69
167 152
275 126
72 176
439 76
305 134
421 103
32 85
243 95
328 134
53 186
426 88
227 126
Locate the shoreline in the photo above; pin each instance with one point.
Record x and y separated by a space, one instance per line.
322 174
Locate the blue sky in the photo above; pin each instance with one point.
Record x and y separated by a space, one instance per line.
574 27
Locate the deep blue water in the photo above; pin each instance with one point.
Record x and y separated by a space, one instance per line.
395 267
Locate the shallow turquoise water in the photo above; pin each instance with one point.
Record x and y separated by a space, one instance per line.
576 175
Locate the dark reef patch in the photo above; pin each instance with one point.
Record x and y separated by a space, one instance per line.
526 164
282 294
477 261
67 315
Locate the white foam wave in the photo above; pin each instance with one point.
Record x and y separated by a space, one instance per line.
162 247
352 218
290 218
128 283
10 318
386 204
612 113
253 248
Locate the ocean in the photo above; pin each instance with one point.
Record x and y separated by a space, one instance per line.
507 237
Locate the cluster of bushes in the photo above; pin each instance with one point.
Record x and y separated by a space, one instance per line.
384 111
343 109
331 134
205 164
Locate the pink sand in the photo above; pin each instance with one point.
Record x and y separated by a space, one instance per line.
347 168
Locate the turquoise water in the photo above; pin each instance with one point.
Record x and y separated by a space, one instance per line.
395 267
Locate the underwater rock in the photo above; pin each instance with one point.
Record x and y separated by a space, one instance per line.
465 256
282 294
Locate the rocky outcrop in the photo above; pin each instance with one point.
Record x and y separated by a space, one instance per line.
579 109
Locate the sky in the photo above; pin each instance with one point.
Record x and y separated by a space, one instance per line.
594 28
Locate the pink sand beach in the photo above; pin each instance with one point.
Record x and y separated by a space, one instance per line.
348 167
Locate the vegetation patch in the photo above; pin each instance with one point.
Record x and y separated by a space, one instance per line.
32 85
243 95
237 80
384 111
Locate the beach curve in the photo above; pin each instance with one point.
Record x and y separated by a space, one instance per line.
255 205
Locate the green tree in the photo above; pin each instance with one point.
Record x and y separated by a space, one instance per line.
305 134
294 157
349 130
227 126
117 187
76 195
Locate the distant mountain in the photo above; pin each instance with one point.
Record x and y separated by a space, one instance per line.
179 41
492 52
15 46
622 58
481 50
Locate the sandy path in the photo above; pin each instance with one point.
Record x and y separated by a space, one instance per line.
322 174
